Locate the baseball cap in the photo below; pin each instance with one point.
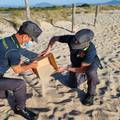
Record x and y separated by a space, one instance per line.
83 37
31 29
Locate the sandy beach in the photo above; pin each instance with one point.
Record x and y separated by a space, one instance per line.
61 102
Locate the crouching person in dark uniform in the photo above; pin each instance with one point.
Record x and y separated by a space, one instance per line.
83 56
10 57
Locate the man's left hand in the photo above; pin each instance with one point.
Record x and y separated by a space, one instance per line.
62 69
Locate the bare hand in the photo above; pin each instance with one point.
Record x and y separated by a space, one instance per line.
61 69
44 53
33 65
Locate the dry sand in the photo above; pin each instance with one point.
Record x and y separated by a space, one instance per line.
62 103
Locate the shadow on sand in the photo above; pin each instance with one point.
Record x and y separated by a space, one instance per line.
15 26
60 27
64 80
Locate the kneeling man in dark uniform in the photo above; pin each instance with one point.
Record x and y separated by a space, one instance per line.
83 57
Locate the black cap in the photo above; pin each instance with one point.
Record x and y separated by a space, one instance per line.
31 29
84 37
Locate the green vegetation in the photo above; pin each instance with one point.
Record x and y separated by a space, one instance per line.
49 14
110 7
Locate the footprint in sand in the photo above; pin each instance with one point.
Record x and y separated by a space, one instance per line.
102 90
74 112
63 101
118 92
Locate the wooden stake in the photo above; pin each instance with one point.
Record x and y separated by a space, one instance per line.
96 14
27 9
73 16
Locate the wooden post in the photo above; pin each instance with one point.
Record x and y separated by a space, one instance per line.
96 13
27 9
73 16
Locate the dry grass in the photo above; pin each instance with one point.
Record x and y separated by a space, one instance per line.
48 14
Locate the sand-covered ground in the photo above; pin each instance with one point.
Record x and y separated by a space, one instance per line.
62 103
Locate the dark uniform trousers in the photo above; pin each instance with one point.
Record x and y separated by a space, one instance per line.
92 79
18 87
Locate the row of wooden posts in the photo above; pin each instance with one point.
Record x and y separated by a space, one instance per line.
73 14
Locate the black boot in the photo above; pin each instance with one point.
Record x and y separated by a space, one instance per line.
35 115
29 115
88 100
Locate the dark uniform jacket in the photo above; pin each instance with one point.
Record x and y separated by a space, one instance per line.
79 56
9 53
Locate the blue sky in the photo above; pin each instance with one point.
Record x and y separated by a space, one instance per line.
34 2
